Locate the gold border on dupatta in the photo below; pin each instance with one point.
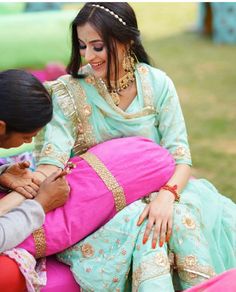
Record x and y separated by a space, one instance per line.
74 104
149 108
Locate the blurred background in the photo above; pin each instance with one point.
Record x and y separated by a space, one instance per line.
195 43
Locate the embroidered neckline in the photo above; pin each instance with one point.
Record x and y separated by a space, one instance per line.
142 72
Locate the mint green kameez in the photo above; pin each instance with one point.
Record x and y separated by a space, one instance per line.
203 242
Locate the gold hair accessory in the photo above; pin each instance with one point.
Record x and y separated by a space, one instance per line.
111 12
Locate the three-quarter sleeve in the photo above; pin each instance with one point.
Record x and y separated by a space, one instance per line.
171 124
54 143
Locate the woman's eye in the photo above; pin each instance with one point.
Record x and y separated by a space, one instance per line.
98 49
82 47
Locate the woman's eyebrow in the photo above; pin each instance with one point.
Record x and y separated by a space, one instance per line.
92 41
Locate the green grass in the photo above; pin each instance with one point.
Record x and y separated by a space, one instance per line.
205 77
203 72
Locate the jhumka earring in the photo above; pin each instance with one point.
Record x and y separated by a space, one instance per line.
128 65
128 62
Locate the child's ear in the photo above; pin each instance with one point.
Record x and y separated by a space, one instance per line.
2 128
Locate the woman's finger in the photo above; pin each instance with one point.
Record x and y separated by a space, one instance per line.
34 186
24 193
163 233
143 216
148 229
24 164
30 190
156 232
169 228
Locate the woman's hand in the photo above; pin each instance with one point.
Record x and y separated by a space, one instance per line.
17 177
159 213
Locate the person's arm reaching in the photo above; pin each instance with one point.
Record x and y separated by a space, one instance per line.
20 222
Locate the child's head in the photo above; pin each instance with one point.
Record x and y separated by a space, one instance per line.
25 107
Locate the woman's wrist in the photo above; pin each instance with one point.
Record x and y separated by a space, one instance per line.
172 190
42 173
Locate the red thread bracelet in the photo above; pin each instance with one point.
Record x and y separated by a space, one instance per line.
173 190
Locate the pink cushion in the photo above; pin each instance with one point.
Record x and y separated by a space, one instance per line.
225 282
59 277
139 165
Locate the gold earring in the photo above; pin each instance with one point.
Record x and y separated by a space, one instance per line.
128 62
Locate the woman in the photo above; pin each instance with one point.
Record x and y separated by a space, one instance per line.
119 94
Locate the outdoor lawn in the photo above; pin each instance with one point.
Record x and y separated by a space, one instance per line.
204 74
205 77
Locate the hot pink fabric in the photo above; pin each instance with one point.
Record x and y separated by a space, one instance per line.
225 282
138 164
59 277
51 72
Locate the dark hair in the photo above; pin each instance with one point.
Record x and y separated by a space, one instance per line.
110 29
25 104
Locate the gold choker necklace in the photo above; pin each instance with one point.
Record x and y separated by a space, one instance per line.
122 84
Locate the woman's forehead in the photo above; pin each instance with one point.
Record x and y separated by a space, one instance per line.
87 33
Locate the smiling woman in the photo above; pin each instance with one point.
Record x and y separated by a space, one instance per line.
187 215
119 94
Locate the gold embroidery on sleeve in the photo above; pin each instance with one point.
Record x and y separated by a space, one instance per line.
79 111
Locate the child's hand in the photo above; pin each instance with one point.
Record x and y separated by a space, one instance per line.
17 177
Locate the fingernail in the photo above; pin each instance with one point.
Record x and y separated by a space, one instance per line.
145 240
154 244
139 222
161 244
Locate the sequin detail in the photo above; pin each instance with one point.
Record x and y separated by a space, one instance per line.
108 179
190 270
40 242
154 267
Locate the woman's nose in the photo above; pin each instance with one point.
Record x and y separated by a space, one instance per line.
89 54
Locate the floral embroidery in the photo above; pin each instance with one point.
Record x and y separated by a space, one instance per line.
87 250
49 151
188 222
142 69
151 268
87 110
90 79
181 152
191 271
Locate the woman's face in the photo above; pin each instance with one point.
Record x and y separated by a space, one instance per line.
93 50
16 139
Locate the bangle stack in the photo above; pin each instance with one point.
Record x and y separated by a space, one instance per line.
173 190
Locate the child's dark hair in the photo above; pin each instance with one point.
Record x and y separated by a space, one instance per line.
25 104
